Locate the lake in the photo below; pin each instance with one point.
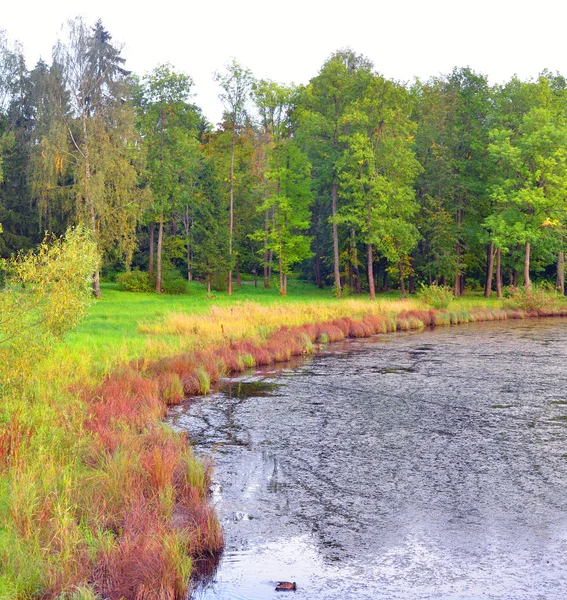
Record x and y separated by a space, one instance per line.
407 466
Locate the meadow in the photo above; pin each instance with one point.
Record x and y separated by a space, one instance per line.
98 499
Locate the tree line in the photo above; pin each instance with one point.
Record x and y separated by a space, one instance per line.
352 181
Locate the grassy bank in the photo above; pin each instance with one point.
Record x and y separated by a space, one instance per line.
97 498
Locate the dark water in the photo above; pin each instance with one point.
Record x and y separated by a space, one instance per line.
410 466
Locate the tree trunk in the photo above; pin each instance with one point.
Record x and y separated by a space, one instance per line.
338 290
317 272
514 278
271 253
237 267
96 284
412 276
231 221
317 253
370 267
152 250
489 269
561 273
89 203
357 279
355 266
282 287
401 273
385 281
527 282
351 261
266 253
159 252
187 223
443 280
498 274
209 284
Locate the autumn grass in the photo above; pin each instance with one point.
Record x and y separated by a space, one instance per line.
97 498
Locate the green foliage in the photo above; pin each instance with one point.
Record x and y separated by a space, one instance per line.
378 170
437 296
173 282
46 294
140 281
89 150
533 298
135 281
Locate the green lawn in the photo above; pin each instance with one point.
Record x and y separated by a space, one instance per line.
111 329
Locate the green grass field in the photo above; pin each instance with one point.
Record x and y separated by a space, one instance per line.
112 328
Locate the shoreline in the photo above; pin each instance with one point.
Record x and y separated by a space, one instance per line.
140 492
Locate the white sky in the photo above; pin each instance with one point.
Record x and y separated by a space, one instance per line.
289 41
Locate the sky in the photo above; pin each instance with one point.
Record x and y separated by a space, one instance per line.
289 41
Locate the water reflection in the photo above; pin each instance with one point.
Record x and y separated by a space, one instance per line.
413 466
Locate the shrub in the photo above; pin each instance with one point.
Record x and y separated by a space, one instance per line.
135 281
47 293
532 299
474 285
437 296
219 281
173 283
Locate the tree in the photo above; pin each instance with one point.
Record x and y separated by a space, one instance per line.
530 156
452 113
211 247
286 182
377 172
169 125
343 79
46 293
92 147
236 84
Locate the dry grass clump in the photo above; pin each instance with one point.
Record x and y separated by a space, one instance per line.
255 322
15 434
146 494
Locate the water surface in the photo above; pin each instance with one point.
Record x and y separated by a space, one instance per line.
409 466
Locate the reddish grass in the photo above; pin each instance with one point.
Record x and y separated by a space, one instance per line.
229 360
140 566
332 332
191 385
170 387
14 435
127 396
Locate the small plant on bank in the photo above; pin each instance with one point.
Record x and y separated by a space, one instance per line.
437 296
141 282
173 283
135 281
532 299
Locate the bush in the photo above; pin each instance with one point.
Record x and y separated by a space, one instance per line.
173 283
437 296
534 298
474 285
47 293
135 281
219 282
